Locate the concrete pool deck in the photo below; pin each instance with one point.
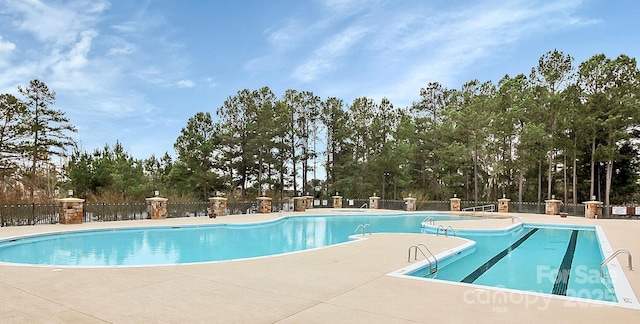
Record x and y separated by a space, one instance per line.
346 283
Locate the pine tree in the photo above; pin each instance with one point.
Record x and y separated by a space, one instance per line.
46 129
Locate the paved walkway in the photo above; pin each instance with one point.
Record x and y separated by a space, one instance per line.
347 283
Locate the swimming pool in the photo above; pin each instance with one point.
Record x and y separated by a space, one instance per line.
195 244
170 245
546 259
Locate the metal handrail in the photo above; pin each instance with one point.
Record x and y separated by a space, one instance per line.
429 220
514 217
417 247
446 233
438 230
612 256
483 208
364 205
363 227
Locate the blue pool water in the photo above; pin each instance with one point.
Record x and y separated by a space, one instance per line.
544 259
558 261
191 244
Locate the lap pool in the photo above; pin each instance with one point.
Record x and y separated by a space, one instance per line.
539 258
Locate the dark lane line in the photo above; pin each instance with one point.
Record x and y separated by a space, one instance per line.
487 265
562 280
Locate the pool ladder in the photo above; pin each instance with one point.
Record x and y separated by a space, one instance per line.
363 227
483 208
612 256
428 220
418 247
445 230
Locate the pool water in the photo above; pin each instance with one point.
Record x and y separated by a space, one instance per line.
193 244
558 261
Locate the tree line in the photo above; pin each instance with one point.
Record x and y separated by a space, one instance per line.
561 130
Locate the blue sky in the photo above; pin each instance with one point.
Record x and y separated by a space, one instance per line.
136 71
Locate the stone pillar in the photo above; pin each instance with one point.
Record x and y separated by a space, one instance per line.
218 206
264 205
591 208
410 203
337 201
299 204
552 206
373 202
503 205
72 210
455 203
309 202
157 207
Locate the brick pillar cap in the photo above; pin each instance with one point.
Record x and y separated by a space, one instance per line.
63 200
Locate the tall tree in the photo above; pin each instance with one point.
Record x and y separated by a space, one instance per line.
428 114
47 129
263 137
592 76
362 111
281 149
339 165
471 116
550 77
196 147
236 117
623 94
508 125
303 111
12 133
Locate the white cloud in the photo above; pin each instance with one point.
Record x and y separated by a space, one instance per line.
112 109
210 82
287 34
127 27
118 45
155 75
57 23
124 50
76 57
6 47
185 84
405 47
6 50
348 7
324 58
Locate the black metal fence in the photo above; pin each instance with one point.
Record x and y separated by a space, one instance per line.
34 214
29 214
105 212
